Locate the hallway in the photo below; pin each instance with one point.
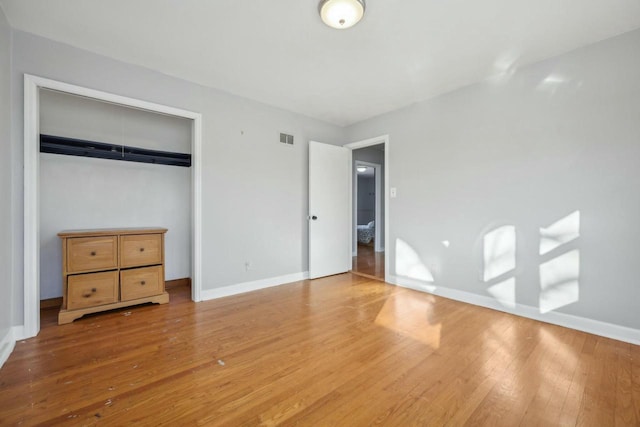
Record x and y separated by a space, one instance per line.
368 263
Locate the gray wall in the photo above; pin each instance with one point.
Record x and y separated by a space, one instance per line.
6 233
254 187
78 192
526 149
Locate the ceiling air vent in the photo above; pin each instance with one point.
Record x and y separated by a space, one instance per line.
286 139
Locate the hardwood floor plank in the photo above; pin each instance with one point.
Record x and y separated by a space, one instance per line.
635 380
625 413
362 387
515 347
574 402
343 350
598 407
548 402
410 394
368 263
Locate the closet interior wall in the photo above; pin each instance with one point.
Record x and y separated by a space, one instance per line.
85 193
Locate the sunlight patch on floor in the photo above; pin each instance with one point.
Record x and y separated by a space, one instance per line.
407 313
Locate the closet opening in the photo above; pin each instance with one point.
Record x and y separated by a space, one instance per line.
64 191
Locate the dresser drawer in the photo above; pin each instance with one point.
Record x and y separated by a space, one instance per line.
141 282
92 289
92 253
140 249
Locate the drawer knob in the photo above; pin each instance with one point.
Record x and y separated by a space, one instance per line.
143 282
93 253
93 289
141 249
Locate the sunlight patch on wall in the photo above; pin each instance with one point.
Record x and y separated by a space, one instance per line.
551 83
559 281
505 292
499 252
409 264
554 82
560 232
407 313
504 67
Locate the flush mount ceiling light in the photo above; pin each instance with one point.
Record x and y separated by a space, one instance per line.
361 168
341 14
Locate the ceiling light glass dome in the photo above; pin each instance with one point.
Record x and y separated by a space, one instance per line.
341 14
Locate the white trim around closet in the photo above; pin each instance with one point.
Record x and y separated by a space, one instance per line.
32 86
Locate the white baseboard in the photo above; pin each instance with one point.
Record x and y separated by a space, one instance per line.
7 344
19 334
240 288
596 327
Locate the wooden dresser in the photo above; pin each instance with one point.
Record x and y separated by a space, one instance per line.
111 268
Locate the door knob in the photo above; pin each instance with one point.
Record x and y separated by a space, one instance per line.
314 217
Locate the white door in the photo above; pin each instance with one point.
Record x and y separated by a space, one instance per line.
329 211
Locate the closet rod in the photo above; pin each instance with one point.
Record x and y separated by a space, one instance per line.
83 148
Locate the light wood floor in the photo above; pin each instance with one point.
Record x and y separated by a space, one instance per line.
368 262
339 351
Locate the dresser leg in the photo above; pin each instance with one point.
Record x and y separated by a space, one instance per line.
68 316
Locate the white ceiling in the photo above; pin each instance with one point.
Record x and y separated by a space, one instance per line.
279 52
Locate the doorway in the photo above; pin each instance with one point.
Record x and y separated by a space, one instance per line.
369 206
